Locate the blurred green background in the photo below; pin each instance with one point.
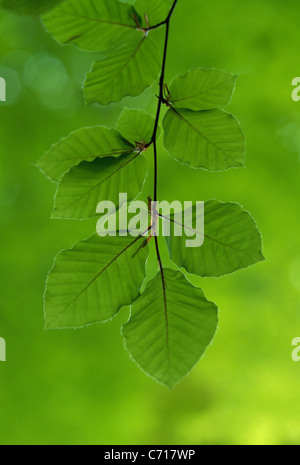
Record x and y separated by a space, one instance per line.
80 387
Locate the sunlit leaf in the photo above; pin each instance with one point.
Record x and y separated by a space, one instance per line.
84 186
155 10
127 71
83 145
93 280
231 242
170 326
91 24
211 139
136 125
202 89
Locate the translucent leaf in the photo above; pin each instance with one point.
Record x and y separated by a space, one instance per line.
155 10
231 242
91 24
202 89
211 139
32 7
80 190
136 125
83 145
92 281
170 326
127 71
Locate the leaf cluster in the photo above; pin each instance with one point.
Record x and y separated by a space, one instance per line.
171 322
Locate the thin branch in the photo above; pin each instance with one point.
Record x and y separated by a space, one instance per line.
160 101
161 94
166 20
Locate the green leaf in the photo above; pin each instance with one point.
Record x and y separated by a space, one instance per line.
211 139
170 326
33 7
202 89
156 10
80 190
231 242
92 281
127 71
95 25
83 145
136 126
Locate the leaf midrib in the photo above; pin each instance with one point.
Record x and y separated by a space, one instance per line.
80 197
95 278
208 237
223 152
119 72
196 95
163 281
100 20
